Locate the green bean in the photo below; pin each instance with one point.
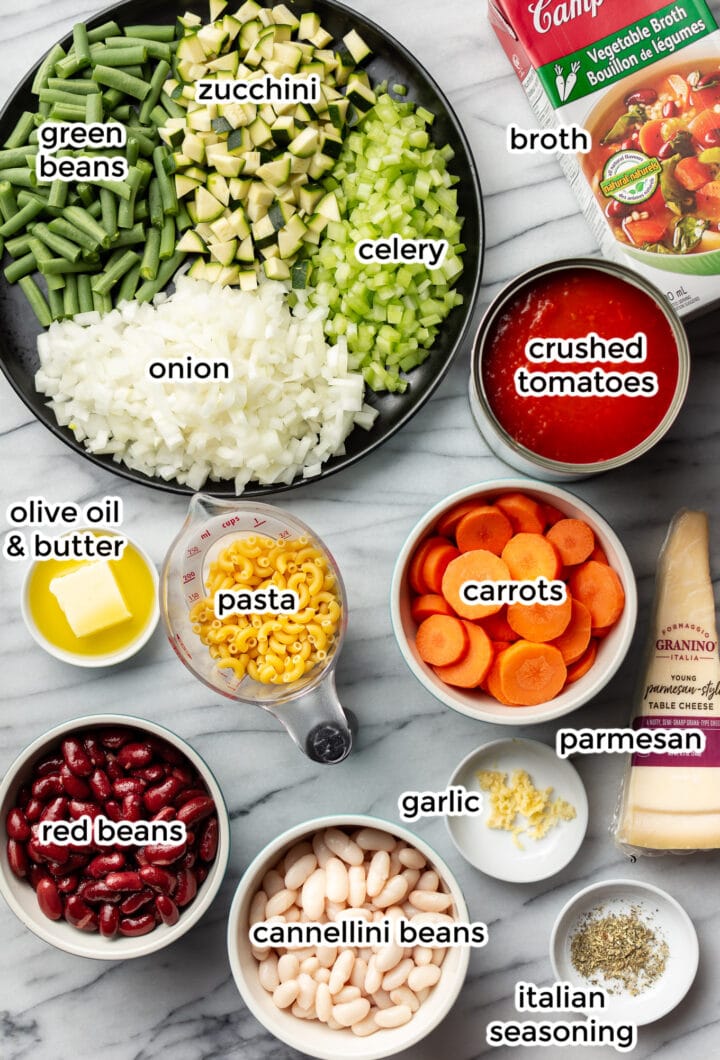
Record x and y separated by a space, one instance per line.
95 209
145 170
158 116
151 257
174 109
41 254
43 111
61 266
94 108
102 303
155 49
21 218
133 150
19 245
117 187
77 88
100 33
84 289
183 221
142 210
167 239
83 220
47 67
40 194
17 156
23 127
71 303
105 281
37 302
165 273
108 204
122 113
57 304
81 44
67 112
8 204
157 215
55 95
59 190
145 142
161 33
85 192
160 76
22 267
21 178
131 236
132 56
68 66
61 245
129 285
112 98
167 186
122 81
61 227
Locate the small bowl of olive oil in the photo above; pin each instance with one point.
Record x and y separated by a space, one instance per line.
93 612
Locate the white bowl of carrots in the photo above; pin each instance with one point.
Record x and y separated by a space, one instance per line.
513 664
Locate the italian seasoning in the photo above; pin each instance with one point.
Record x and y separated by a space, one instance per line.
620 947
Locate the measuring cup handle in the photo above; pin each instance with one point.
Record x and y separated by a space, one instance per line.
318 724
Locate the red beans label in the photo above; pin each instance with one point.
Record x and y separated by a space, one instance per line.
103 832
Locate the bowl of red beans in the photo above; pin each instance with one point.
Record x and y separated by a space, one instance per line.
116 837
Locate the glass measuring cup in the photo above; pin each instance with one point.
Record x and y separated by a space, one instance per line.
309 707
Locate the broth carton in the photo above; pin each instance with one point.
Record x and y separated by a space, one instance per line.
643 80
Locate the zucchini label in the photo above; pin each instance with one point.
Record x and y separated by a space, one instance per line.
398 251
265 89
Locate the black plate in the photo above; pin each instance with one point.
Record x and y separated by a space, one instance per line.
391 61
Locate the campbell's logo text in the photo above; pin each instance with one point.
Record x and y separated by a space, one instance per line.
549 13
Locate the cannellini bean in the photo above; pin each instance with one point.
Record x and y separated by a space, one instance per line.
257 908
388 956
421 978
422 955
411 858
300 850
336 880
268 973
343 846
348 993
382 999
280 902
393 912
303 1013
393 891
312 896
431 918
412 876
431 901
359 972
288 967
439 955
341 971
260 954
366 1026
373 977
322 975
302 955
323 1003
395 1016
307 989
286 994
429 881
357 888
321 852
398 975
300 870
272 883
327 955
378 873
396 865
354 914
334 1025
409 910
405 996
351 1011
374 839
366 953
310 965
333 909
293 914
423 995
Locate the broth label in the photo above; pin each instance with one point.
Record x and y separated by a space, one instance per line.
565 140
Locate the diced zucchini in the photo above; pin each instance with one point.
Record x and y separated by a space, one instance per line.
356 46
276 269
191 243
305 143
263 232
207 207
300 275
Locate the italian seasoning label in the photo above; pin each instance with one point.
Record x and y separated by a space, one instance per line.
606 61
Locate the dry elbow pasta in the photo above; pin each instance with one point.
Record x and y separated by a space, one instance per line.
272 649
320 879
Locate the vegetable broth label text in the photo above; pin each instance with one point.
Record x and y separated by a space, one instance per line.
69 136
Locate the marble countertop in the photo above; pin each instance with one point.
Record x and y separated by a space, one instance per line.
181 1003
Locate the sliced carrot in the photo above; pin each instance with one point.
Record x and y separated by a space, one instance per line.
524 513
692 173
497 627
573 539
551 515
581 667
484 527
599 555
540 623
651 136
417 583
429 604
650 230
447 523
705 97
703 123
530 674
573 641
530 556
600 589
477 566
435 564
600 632
500 646
492 683
442 640
470 671
708 198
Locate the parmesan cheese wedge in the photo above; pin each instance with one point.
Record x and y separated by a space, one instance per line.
672 802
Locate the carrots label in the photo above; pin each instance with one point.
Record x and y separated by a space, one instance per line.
537 591
456 801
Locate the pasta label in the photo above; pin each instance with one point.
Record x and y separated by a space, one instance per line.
259 601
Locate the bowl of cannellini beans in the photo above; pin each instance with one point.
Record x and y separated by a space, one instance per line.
359 1002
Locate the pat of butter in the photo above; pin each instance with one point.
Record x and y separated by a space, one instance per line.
90 599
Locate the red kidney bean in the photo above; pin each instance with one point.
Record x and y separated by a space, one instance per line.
55 810
79 914
34 852
137 925
128 786
113 739
706 79
94 751
168 911
47 851
666 151
17 858
201 874
49 765
166 751
126 880
617 209
17 825
84 809
670 109
164 853
712 137
131 808
33 809
152 774
158 878
49 899
108 920
135 902
112 768
98 891
37 873
112 810
67 884
186 887
104 863
645 97
100 785
74 786
140 857
209 840
188 794
196 810
159 796
186 775
48 787
76 861
167 813
135 755
189 859
76 756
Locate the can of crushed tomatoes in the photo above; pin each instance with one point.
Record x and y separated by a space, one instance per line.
578 366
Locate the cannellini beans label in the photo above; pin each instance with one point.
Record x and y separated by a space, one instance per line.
392 936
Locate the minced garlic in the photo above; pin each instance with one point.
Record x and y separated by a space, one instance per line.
521 798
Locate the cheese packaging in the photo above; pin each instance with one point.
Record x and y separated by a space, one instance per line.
90 599
671 802
640 82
